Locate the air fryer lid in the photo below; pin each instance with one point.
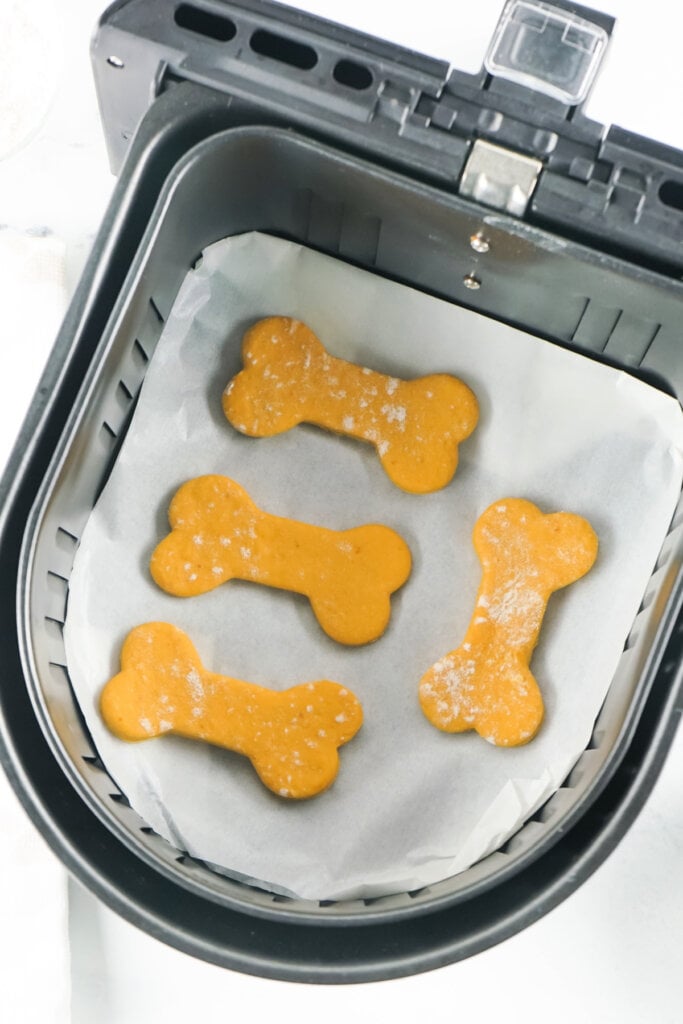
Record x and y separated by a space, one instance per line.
513 136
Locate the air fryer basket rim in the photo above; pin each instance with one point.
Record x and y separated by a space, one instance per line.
416 906
68 853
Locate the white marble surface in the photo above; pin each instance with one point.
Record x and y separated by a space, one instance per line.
611 952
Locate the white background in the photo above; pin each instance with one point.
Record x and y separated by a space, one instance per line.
612 951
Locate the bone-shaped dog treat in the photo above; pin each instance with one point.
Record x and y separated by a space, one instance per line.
289 378
219 534
291 736
485 684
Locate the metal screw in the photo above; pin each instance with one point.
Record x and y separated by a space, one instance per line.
479 242
471 281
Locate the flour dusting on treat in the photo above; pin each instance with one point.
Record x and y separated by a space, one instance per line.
348 575
290 736
486 684
289 378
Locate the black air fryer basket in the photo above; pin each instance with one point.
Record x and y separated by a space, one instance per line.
491 191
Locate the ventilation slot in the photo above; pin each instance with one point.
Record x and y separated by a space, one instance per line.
287 51
139 353
414 893
63 532
66 543
120 798
671 194
56 587
94 761
574 778
516 842
59 671
596 740
646 602
544 813
631 640
352 75
155 309
205 23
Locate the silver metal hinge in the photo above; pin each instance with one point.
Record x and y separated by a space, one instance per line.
500 177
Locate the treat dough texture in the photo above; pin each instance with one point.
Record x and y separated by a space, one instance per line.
289 378
290 736
219 534
486 684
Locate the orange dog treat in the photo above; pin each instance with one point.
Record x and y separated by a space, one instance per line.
219 534
485 684
289 378
291 736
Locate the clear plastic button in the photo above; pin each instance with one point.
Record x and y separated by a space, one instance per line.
547 49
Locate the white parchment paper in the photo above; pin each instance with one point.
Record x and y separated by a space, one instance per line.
411 805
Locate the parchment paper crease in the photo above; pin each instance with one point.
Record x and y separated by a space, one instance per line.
410 805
